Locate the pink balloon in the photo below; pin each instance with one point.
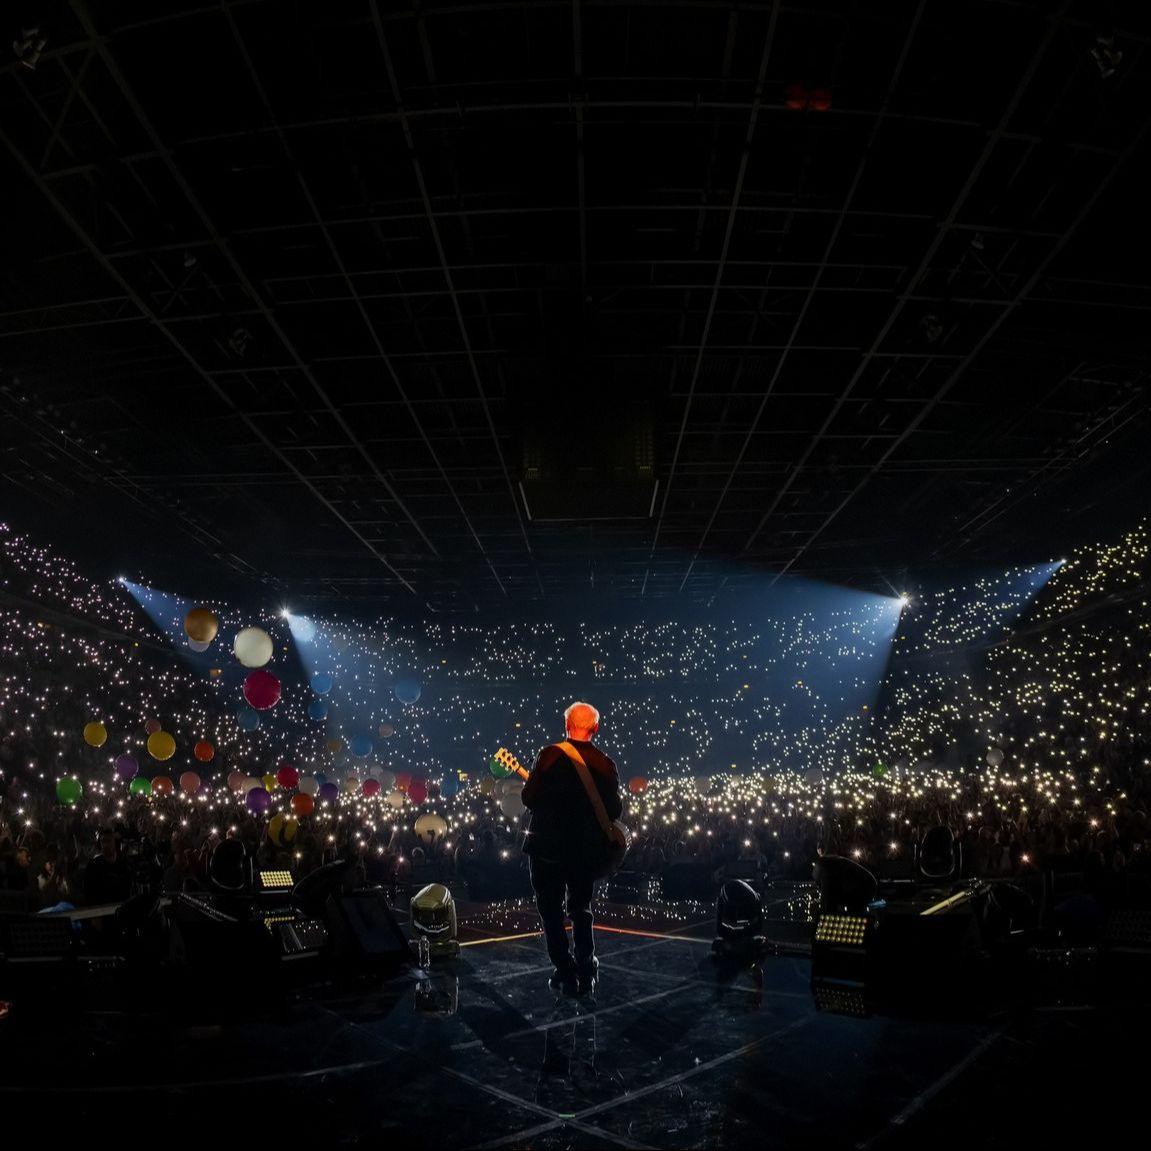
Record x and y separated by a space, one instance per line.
189 783
235 780
151 726
262 689
417 791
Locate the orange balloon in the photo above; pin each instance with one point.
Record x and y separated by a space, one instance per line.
162 785
201 625
303 804
203 751
637 786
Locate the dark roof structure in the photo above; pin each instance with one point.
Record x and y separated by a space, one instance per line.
437 306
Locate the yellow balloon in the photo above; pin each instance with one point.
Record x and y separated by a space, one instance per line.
95 734
487 785
282 829
271 782
201 625
161 745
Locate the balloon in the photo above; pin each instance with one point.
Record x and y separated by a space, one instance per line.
360 746
879 771
126 766
433 789
430 826
236 780
262 690
247 719
303 804
258 800
335 745
161 745
95 734
395 799
201 625
813 776
287 776
403 782
253 647
270 783
408 691
282 829
512 804
418 791
318 709
352 784
189 783
198 647
321 778
309 785
250 782
994 755
215 672
449 785
162 785
204 751
386 731
321 683
387 778
68 790
328 793
141 785
151 726
637 786
487 785
371 787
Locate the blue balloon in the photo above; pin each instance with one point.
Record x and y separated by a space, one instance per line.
248 719
318 709
258 800
321 778
328 793
408 691
322 683
450 785
360 746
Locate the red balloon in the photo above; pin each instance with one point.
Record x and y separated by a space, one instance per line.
189 783
151 726
371 787
262 689
287 776
162 785
203 751
417 791
303 804
403 782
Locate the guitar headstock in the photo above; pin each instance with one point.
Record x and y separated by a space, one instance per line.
508 762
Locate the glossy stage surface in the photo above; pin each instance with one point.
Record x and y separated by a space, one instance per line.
673 1052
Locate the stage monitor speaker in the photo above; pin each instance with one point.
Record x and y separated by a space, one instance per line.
364 930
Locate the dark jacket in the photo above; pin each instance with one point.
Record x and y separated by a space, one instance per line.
563 825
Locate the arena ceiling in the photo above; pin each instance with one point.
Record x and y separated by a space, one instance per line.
442 306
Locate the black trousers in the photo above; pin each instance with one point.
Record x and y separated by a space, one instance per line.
555 883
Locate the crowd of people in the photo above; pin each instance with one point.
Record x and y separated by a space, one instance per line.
1013 708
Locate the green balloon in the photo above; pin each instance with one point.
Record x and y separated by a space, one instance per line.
68 790
141 785
879 770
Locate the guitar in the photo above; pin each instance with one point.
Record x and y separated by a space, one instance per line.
617 836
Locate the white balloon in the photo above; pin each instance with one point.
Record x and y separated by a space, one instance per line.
995 756
511 803
430 826
352 783
387 779
253 647
250 781
308 784
197 645
395 799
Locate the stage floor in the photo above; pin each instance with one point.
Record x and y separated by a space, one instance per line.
672 1053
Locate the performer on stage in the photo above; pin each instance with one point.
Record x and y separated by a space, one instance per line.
563 838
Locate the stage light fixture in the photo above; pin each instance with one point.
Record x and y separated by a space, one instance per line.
904 600
284 612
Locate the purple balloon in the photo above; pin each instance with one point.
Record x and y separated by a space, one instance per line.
328 793
258 800
126 767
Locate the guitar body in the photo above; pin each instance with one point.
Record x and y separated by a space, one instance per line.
617 842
